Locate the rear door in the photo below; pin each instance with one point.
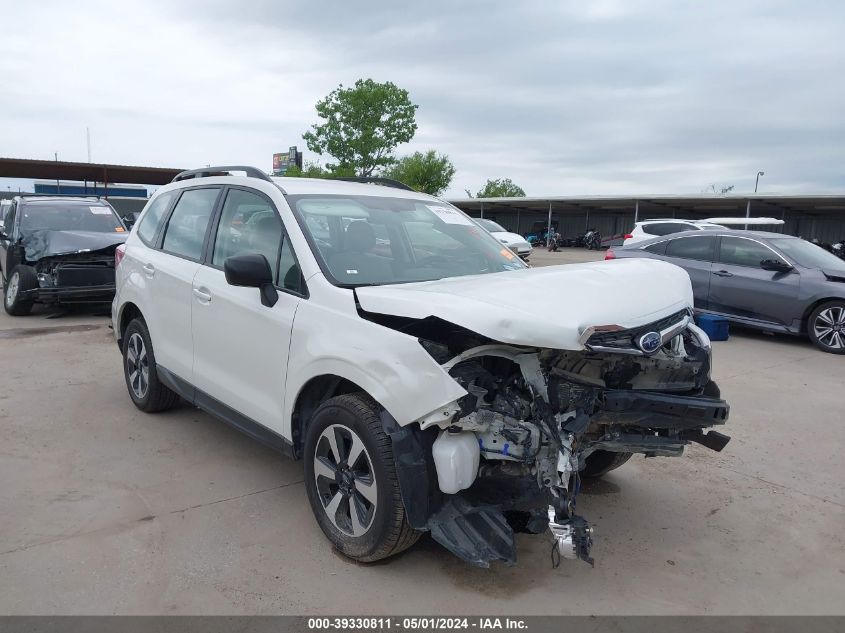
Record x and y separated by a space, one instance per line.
241 346
694 253
169 273
740 287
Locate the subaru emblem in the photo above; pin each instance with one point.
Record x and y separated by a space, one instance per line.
649 342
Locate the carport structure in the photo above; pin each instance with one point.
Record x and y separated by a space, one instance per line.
85 172
820 216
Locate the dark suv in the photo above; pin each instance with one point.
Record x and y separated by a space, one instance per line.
58 250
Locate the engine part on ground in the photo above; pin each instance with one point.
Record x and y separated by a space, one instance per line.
573 539
456 458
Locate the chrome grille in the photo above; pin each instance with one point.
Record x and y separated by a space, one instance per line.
627 339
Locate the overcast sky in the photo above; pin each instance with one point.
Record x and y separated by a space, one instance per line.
583 97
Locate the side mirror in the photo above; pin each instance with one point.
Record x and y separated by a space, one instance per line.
775 265
252 271
129 219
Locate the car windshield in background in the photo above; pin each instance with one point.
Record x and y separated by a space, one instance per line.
807 254
489 225
42 216
372 240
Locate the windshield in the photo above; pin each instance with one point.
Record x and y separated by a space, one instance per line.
807 254
489 225
56 216
371 240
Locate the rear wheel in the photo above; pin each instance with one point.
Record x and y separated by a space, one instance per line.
826 327
351 480
22 279
139 368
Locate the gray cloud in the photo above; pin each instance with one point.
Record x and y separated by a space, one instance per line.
563 97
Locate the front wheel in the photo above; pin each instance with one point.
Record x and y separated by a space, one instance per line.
351 480
826 327
22 279
600 463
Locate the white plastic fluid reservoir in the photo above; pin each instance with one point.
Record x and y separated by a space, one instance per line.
456 457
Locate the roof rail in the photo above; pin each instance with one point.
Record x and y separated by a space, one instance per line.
60 195
251 172
374 180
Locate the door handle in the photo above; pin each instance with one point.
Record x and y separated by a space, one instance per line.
723 273
202 294
149 270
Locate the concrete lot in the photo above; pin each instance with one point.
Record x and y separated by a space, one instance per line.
106 510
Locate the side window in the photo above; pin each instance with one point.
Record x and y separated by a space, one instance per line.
657 249
248 224
9 219
699 247
148 227
665 228
185 231
740 252
289 275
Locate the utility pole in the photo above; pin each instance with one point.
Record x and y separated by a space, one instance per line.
88 141
748 204
58 186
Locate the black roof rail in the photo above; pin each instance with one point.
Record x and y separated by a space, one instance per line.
251 172
375 180
61 195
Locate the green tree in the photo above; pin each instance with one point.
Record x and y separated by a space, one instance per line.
315 170
362 126
500 188
428 172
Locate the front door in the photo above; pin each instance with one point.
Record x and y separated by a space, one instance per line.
740 287
241 346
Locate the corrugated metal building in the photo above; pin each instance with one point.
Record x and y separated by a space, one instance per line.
809 216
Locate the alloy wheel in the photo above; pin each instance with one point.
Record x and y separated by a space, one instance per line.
12 290
345 480
137 366
829 327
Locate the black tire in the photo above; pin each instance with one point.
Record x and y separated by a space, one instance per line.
826 327
387 531
602 462
23 278
155 396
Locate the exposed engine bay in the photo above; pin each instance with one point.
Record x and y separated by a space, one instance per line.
534 420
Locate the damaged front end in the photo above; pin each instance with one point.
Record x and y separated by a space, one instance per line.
72 267
534 419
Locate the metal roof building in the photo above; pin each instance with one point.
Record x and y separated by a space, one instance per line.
820 216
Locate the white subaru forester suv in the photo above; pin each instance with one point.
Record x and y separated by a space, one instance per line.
429 380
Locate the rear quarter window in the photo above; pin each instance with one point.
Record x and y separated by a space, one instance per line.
656 249
665 228
149 225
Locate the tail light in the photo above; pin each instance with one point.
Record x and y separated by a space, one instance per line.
609 254
628 236
119 252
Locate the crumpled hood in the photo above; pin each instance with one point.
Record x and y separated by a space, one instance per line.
542 307
40 244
